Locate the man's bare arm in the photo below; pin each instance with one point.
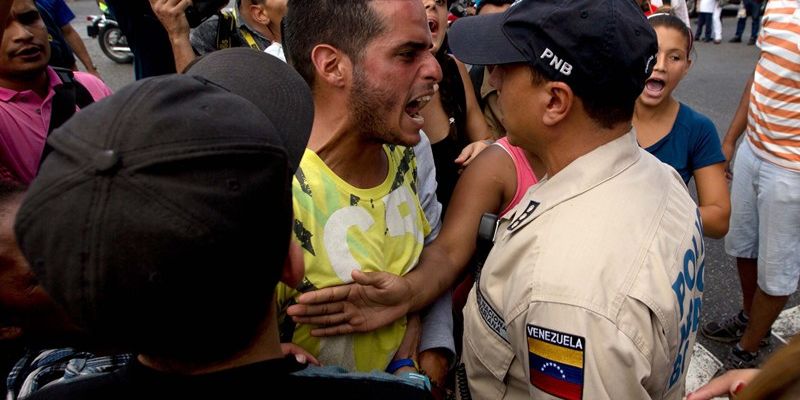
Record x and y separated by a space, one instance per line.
737 126
76 43
172 15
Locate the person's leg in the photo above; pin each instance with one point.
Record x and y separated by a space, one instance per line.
740 242
741 20
699 27
717 23
748 278
755 24
779 239
709 24
764 311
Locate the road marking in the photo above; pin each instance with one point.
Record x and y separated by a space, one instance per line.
787 325
702 368
704 364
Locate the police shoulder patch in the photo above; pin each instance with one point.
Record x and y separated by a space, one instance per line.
556 362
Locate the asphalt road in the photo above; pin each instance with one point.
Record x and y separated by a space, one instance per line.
115 75
713 87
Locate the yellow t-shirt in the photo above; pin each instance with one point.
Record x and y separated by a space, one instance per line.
341 228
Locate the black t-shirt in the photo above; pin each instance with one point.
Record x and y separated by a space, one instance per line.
264 380
454 102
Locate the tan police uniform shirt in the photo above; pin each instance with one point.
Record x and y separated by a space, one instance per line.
594 285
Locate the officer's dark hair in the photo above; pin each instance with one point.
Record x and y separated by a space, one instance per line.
603 108
346 25
492 2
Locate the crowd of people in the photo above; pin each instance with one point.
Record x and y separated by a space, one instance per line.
357 199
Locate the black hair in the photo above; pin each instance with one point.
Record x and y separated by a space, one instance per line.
605 108
492 2
9 189
346 25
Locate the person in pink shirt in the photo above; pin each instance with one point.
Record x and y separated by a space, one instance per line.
27 87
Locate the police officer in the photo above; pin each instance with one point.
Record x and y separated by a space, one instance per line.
594 285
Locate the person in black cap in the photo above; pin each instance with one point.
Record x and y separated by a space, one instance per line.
594 285
165 236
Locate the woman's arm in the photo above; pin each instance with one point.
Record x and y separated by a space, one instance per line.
714 199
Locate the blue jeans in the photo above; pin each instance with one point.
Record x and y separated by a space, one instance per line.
753 9
703 20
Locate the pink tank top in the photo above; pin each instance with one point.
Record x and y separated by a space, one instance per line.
525 175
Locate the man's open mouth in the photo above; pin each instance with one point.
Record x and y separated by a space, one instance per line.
413 107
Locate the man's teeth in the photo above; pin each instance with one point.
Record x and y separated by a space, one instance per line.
423 101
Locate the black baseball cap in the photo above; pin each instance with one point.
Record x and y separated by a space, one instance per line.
592 45
167 206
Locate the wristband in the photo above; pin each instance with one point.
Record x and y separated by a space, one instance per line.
403 362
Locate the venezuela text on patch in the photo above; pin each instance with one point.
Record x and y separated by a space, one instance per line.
556 362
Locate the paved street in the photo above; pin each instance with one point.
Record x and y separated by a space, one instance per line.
115 75
713 87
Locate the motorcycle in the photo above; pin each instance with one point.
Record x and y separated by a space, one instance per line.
110 38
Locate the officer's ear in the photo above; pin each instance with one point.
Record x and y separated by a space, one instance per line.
559 103
332 65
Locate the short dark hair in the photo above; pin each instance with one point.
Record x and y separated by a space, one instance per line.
346 25
605 108
492 2
9 189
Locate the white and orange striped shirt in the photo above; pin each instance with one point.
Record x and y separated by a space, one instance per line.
773 124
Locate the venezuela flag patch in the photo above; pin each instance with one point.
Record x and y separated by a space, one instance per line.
556 362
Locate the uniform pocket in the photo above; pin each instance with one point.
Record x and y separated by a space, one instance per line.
487 356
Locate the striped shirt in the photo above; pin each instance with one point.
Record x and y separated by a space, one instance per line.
773 127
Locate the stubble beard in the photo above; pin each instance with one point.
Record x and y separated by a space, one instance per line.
371 107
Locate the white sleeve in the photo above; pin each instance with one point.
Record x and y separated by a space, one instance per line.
426 186
437 320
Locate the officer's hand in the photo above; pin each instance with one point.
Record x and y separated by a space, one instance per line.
172 15
375 300
730 383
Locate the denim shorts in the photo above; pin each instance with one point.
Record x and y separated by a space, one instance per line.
765 220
